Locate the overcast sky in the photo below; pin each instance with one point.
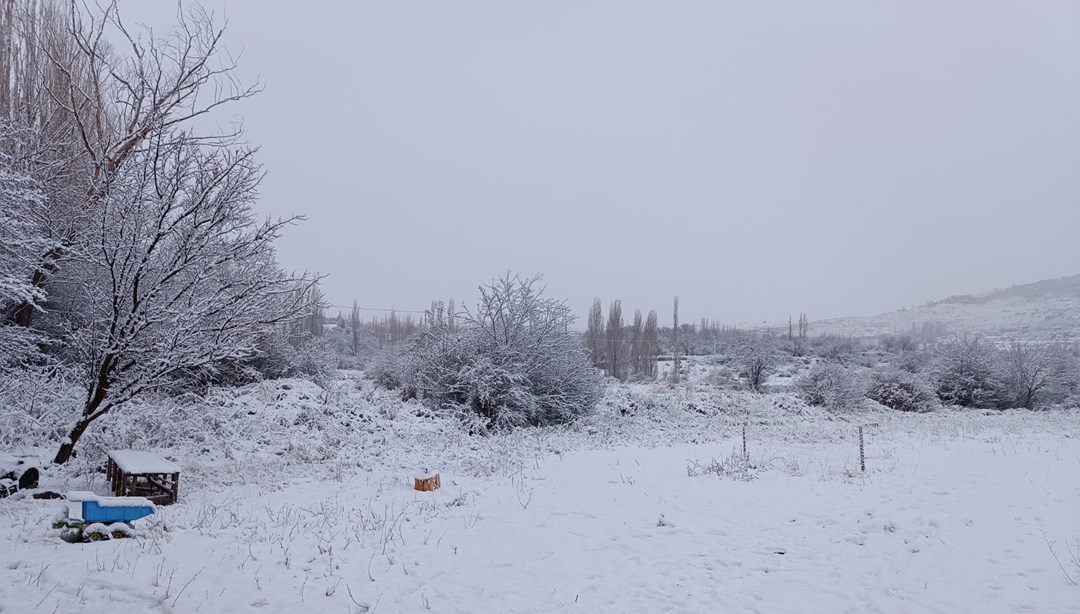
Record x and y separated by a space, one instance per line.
757 159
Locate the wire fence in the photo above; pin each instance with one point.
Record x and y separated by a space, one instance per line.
849 450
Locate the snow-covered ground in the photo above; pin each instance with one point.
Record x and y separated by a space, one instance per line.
957 512
1045 311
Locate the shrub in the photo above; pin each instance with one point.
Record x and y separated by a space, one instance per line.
392 368
831 385
514 361
901 390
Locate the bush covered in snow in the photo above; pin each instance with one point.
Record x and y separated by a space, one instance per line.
513 361
31 404
901 390
966 373
831 385
392 368
756 354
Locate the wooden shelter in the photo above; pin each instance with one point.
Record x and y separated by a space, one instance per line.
133 473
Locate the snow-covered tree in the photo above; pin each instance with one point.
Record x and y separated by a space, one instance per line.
1032 374
20 246
19 241
965 370
94 92
512 360
756 355
176 273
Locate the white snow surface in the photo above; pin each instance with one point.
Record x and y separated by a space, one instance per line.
137 461
86 495
957 512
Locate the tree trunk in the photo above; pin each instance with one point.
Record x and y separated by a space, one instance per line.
67 449
24 312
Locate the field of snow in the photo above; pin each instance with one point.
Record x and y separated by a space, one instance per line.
957 512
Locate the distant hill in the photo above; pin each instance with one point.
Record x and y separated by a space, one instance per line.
1047 310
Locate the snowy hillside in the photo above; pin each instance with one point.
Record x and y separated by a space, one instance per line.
1047 310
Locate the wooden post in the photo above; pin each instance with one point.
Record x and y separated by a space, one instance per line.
862 451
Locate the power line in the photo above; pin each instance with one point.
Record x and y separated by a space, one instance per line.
377 309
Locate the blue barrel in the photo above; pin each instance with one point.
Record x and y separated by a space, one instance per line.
93 511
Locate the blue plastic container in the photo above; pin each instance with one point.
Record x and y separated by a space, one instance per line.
92 511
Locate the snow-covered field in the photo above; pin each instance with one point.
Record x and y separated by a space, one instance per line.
957 512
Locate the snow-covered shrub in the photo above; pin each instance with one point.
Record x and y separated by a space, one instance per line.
393 368
736 466
831 385
279 357
1071 402
835 348
1034 376
723 377
901 390
965 372
513 361
33 402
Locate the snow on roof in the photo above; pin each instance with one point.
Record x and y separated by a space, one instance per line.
135 461
86 495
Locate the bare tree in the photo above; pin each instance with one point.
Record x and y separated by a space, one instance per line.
636 344
1032 373
651 345
675 339
756 356
354 328
116 102
178 273
615 340
312 323
594 334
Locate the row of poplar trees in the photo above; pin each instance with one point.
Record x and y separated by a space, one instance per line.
623 351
